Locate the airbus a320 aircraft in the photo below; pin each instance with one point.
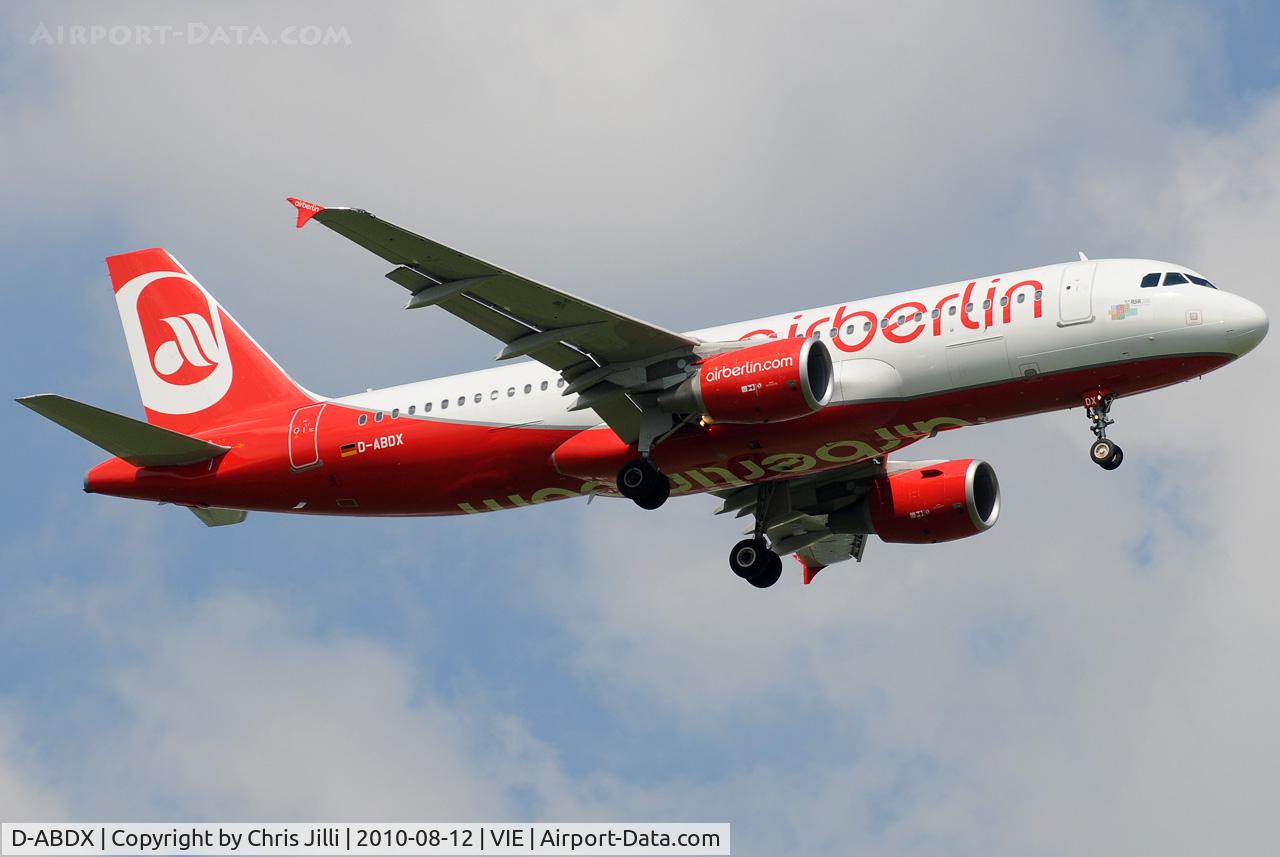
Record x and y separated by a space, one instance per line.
796 420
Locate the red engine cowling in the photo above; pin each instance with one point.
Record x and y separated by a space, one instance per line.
777 380
936 503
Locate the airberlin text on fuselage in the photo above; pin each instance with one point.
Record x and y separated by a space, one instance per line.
911 318
837 453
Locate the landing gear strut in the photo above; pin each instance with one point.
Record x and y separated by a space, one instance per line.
752 559
643 483
1104 453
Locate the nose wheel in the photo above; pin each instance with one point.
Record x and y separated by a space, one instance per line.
1105 453
643 483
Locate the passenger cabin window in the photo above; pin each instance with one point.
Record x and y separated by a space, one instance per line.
412 409
1200 281
1174 279
462 400
511 391
544 386
1150 280
444 403
426 409
377 418
480 396
528 388
364 418
493 396
395 413
559 382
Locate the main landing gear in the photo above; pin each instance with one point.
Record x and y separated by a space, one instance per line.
643 483
752 559
1104 452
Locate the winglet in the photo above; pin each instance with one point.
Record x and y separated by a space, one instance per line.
306 210
810 571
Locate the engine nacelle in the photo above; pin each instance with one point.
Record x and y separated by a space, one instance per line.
778 380
935 503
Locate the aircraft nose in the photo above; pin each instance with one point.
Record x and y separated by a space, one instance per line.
1247 325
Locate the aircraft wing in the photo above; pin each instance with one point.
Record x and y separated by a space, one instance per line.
584 342
795 511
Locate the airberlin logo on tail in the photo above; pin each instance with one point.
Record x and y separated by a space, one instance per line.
176 342
193 343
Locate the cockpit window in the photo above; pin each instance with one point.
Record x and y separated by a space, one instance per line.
1173 278
1151 280
1200 281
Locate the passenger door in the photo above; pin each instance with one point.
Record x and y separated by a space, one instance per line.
304 440
1075 296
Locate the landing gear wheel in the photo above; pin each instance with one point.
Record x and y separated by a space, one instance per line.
642 482
752 560
661 491
770 575
1104 453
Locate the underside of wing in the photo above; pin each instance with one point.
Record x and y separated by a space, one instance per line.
816 517
581 340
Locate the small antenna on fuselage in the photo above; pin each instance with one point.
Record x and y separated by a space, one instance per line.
1083 257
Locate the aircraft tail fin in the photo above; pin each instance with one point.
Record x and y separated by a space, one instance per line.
141 444
196 367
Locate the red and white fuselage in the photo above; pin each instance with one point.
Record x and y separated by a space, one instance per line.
905 366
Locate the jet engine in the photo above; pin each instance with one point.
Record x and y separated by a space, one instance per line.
778 380
936 503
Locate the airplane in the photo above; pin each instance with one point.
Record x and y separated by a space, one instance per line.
796 421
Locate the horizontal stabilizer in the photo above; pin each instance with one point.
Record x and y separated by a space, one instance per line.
215 517
141 444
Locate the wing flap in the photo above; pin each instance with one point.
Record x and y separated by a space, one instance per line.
141 444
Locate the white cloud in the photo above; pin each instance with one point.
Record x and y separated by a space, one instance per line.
25 794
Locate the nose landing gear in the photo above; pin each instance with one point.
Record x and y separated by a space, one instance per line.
1104 452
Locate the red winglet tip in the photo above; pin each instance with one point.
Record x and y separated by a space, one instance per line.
306 210
810 571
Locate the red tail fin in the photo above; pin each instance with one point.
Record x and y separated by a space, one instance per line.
196 368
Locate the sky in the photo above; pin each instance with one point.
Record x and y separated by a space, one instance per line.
1097 674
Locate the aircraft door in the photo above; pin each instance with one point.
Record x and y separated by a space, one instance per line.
1075 296
304 439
